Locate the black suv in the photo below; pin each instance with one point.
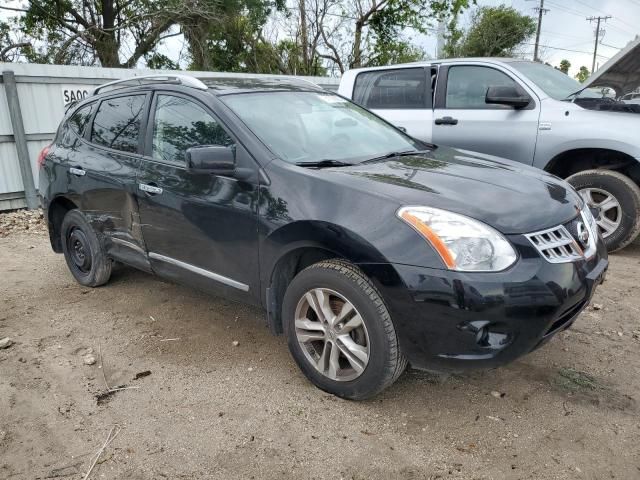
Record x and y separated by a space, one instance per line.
367 248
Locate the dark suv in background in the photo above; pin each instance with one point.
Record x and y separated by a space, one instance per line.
367 248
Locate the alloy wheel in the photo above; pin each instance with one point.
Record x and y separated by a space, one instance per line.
608 207
332 334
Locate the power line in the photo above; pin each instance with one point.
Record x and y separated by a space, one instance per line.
564 49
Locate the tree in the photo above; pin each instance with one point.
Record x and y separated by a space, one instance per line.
583 74
370 32
494 32
565 65
11 47
113 33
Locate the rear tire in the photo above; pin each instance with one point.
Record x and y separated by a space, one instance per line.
83 251
367 353
619 224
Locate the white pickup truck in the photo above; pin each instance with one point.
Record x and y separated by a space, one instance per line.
522 111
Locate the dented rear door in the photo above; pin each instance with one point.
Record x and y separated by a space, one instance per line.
105 173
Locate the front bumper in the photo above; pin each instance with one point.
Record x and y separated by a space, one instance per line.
451 321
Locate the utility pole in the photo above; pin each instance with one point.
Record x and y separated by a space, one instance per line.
541 11
595 48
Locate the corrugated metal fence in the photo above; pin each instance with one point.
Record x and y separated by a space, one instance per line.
32 102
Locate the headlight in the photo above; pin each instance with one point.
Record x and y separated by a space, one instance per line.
463 243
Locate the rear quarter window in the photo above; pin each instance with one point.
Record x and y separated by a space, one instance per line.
79 120
117 123
405 88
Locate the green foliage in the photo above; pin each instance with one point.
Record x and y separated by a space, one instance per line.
494 32
565 65
583 74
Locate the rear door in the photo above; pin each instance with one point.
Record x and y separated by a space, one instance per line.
104 171
199 228
401 96
464 120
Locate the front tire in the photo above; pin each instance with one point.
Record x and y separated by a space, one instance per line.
83 251
617 199
339 331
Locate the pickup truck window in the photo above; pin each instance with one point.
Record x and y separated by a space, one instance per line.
117 123
467 86
553 82
180 124
405 88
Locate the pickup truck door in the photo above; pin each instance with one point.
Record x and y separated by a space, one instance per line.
403 97
462 119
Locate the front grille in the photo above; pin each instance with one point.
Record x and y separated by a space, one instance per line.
556 245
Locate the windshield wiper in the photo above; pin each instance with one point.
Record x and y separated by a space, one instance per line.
575 94
324 163
396 154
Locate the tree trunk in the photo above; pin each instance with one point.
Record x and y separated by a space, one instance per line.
356 60
304 40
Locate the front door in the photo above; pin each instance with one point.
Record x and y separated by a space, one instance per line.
462 119
198 227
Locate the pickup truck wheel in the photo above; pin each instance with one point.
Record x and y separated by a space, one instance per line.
616 199
83 251
339 331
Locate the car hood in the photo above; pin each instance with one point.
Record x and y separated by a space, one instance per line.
509 196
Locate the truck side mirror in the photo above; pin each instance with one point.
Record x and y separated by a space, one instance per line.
501 95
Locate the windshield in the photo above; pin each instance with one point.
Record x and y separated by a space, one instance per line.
552 81
314 126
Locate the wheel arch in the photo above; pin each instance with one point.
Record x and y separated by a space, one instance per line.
576 160
306 243
56 211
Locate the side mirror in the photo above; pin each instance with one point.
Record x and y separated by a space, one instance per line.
506 96
213 159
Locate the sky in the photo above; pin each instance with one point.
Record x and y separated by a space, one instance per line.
565 33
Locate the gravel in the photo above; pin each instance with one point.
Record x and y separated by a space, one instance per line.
21 221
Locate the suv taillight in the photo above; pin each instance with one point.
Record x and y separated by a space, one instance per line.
43 155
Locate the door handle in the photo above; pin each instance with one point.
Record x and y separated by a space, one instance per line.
150 188
78 172
446 121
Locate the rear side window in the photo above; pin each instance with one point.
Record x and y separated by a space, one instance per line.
117 123
467 86
180 124
80 119
393 89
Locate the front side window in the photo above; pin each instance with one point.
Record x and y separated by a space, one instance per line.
117 123
392 89
314 126
180 124
80 119
467 86
551 81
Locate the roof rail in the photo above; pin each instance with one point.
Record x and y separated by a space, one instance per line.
171 78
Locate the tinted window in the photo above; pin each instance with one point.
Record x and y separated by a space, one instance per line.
180 124
312 126
467 86
406 88
79 120
117 123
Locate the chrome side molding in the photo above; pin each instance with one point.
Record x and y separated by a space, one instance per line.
201 271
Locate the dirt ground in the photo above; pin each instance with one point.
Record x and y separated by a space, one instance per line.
211 409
